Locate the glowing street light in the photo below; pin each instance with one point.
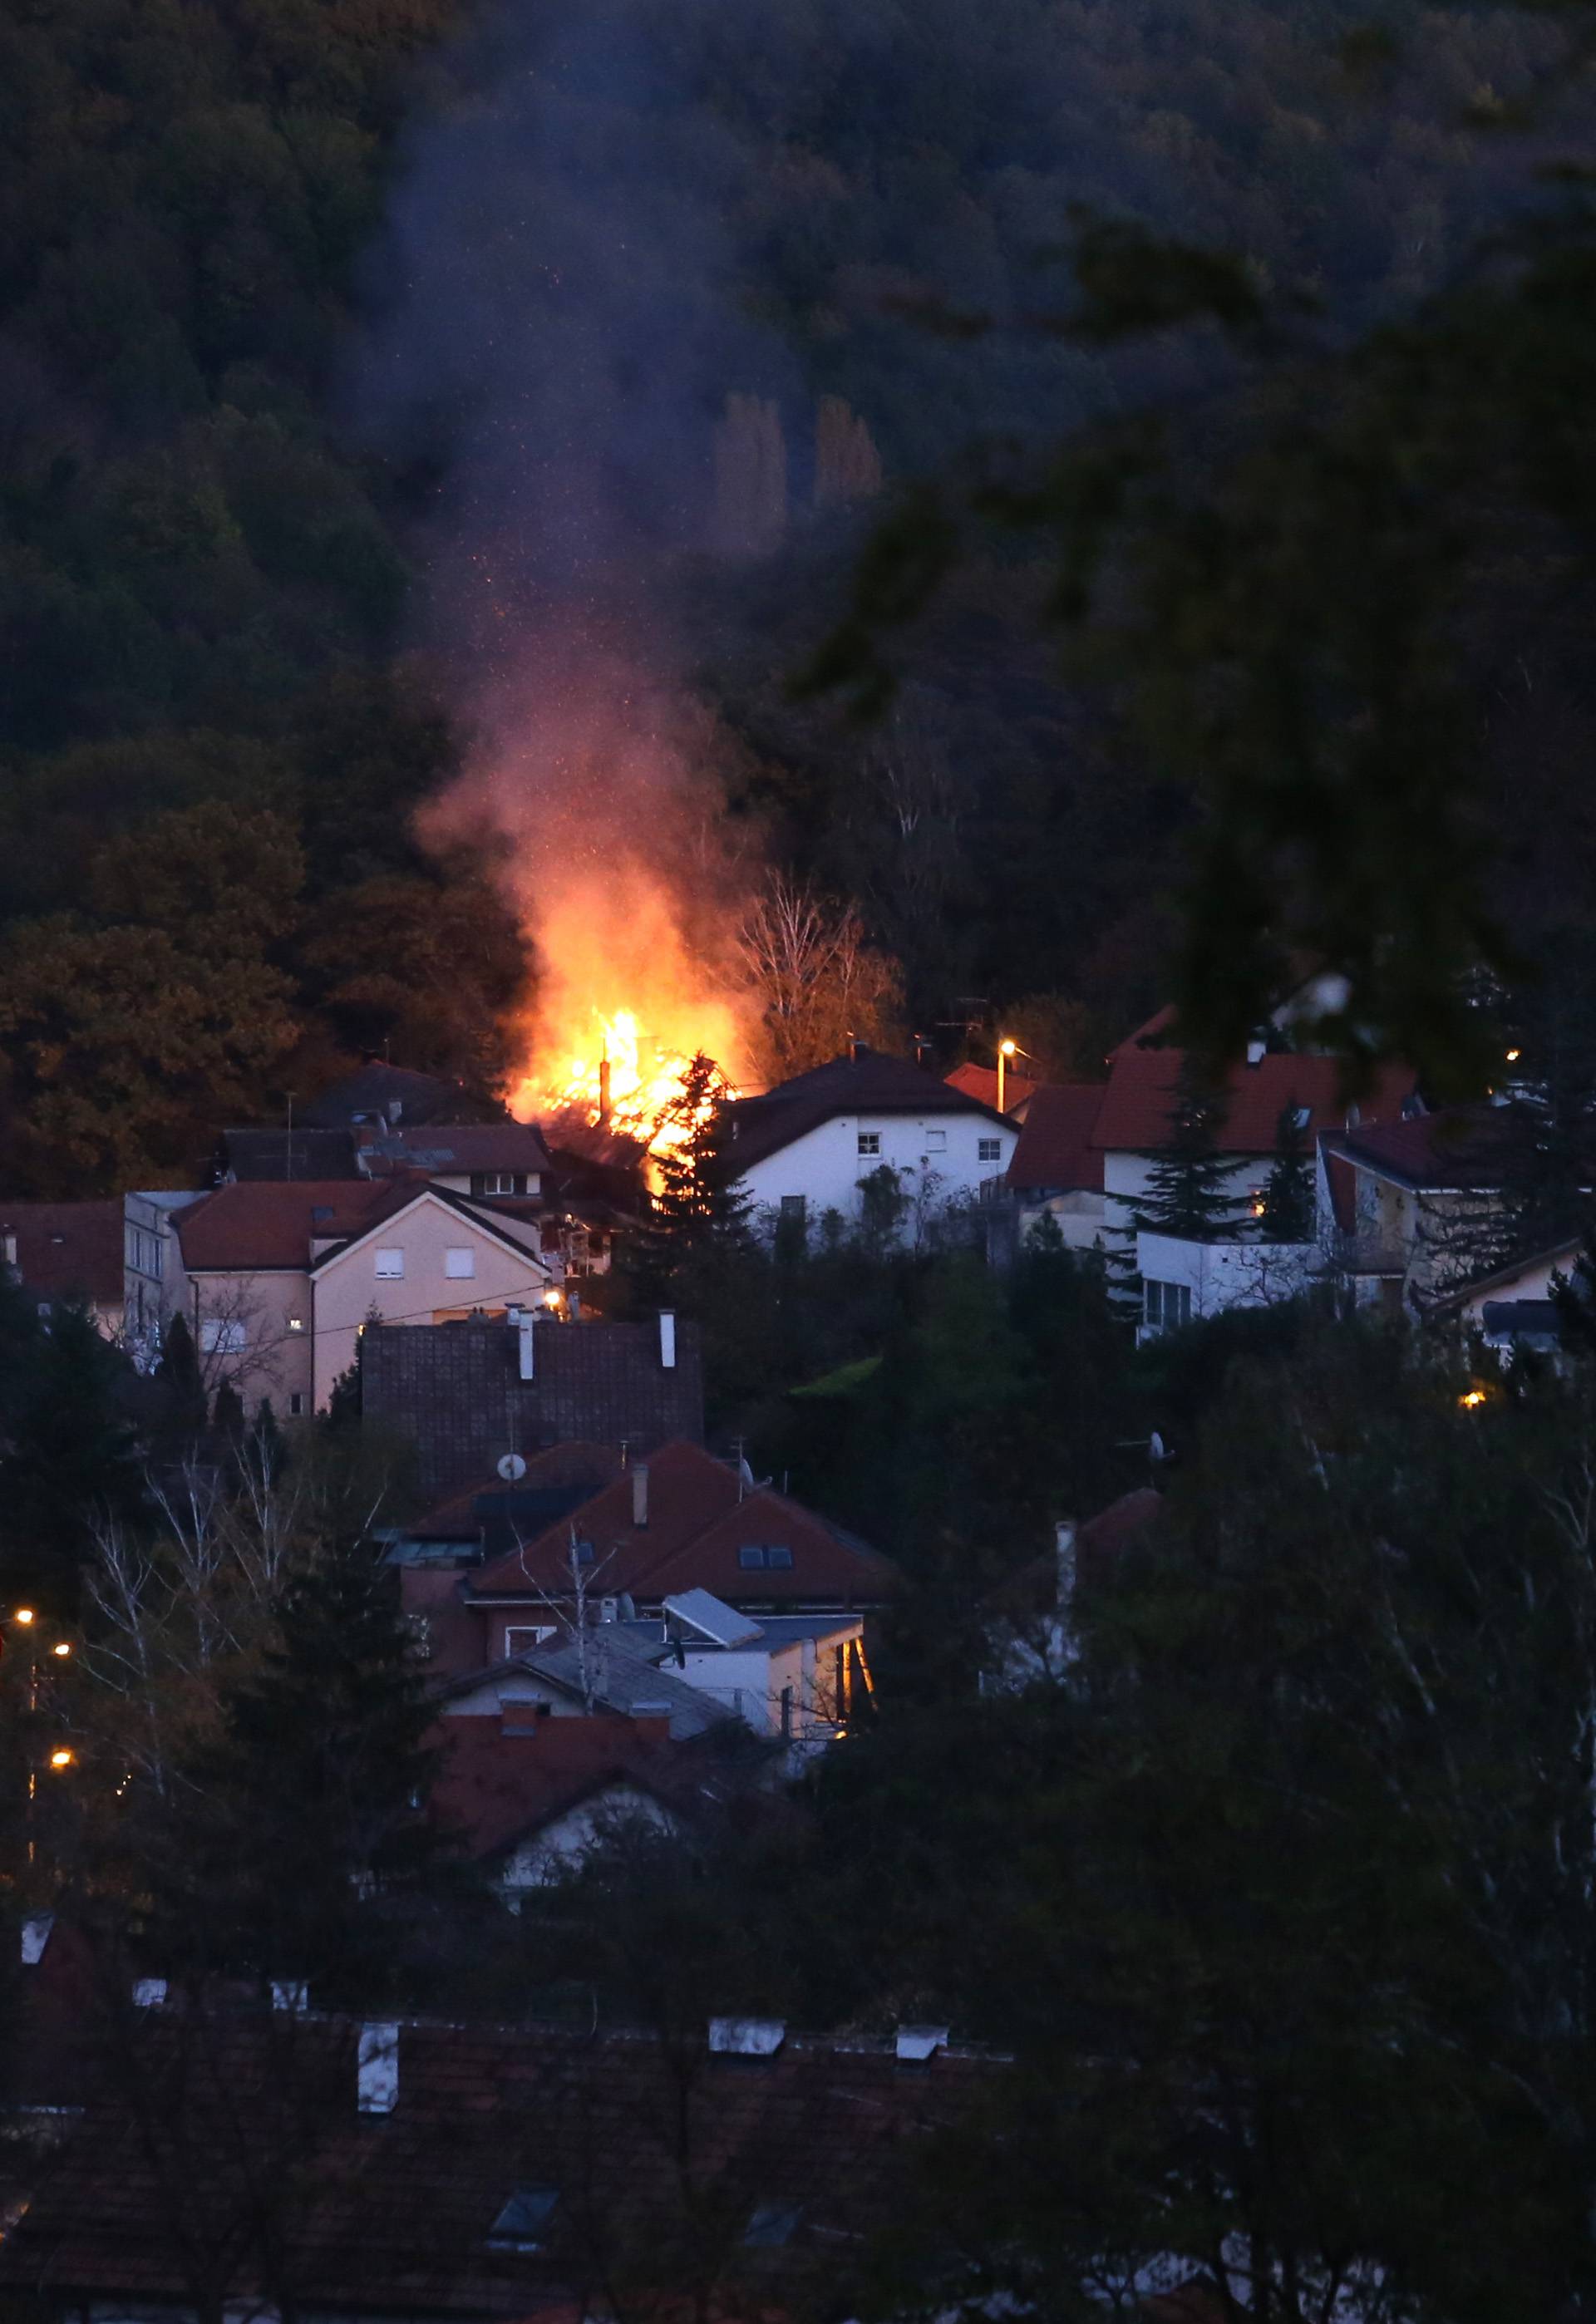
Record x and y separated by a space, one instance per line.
23 1614
1005 1051
62 1758
61 1647
1472 1400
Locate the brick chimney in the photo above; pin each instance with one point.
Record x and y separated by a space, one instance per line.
667 1338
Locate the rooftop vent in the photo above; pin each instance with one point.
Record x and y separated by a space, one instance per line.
773 2223
746 2037
148 1992
35 1937
917 2044
520 2225
377 2067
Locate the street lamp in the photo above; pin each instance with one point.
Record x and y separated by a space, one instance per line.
1005 1051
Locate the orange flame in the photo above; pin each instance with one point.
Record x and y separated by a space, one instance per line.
625 1008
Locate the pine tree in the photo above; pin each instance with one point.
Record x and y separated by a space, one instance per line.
1188 1190
699 1216
181 1382
300 1847
226 1415
1289 1210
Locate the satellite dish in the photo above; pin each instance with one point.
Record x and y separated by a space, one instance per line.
512 1468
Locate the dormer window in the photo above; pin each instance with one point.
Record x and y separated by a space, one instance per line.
521 2225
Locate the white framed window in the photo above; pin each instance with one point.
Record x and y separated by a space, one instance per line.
390 1266
296 1404
870 1141
1166 1306
223 1336
459 1262
990 1149
519 1640
937 1141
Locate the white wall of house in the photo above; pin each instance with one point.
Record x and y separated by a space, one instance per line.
1080 1216
427 1265
1215 1276
560 1844
946 1156
751 1681
1127 1180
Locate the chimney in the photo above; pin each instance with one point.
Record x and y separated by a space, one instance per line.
149 1992
667 1338
8 1245
1257 1049
35 1937
1063 1536
525 1352
603 1091
640 1493
378 2067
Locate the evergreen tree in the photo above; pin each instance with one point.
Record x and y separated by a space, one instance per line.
299 1847
698 1219
181 1382
1289 1210
1188 1190
227 1416
69 1455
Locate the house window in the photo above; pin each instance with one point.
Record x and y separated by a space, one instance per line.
390 1266
459 1262
296 1404
870 1141
786 1711
794 1208
990 1149
779 1560
584 1553
499 1182
937 1141
220 1336
752 1560
144 1252
1166 1306
296 1323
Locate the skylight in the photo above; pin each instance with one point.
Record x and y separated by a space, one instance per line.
773 2223
520 2225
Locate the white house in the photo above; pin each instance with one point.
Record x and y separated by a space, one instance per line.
790 1676
803 1148
1184 1281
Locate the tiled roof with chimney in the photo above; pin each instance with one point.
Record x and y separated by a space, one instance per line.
281 1153
1144 1077
869 1082
502 2168
457 1392
616 1665
701 1527
572 1471
1055 1148
67 1251
271 1223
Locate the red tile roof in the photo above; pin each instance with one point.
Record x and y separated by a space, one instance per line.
1055 1148
1144 1078
233 2137
460 1517
68 1250
981 1082
501 1783
698 1518
1466 1147
446 1151
272 1223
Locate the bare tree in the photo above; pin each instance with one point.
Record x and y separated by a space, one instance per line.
815 977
